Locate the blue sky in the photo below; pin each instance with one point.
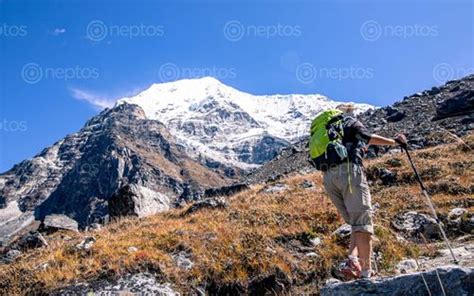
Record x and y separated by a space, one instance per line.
62 60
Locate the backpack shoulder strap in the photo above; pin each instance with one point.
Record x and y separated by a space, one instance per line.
334 119
349 121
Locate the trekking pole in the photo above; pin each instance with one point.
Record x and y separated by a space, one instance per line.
430 204
423 277
436 269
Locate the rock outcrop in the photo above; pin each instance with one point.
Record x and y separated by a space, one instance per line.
413 223
429 118
207 203
455 280
78 175
134 200
55 222
132 284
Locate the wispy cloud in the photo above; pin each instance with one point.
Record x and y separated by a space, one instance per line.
97 101
57 31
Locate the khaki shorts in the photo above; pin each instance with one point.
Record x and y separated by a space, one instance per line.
347 188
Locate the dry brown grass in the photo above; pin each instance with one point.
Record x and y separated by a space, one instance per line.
252 237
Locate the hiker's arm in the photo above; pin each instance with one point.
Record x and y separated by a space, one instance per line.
372 139
381 141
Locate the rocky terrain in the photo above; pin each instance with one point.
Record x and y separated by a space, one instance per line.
429 118
79 174
281 237
106 209
152 152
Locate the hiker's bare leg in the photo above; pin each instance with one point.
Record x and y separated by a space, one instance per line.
353 247
363 241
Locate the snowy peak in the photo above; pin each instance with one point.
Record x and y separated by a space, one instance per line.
219 123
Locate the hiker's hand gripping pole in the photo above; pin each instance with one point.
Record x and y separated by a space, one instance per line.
430 204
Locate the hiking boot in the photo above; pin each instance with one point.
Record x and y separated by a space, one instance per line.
367 275
351 269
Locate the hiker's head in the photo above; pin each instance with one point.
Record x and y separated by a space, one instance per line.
346 108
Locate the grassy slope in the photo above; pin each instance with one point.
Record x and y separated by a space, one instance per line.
258 234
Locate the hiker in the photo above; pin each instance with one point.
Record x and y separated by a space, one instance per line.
337 145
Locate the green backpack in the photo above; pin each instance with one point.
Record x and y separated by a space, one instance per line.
325 145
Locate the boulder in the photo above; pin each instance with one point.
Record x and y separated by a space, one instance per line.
407 266
207 203
132 249
389 110
455 216
413 223
10 256
276 283
131 284
397 116
456 281
276 188
139 201
86 244
467 223
387 177
56 222
31 240
182 260
226 190
315 241
461 104
343 231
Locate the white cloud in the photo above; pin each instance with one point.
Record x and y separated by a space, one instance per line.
99 102
58 31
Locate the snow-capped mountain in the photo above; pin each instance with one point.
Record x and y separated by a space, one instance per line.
217 123
163 147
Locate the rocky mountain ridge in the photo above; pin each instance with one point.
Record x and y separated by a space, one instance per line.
77 175
172 143
429 118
